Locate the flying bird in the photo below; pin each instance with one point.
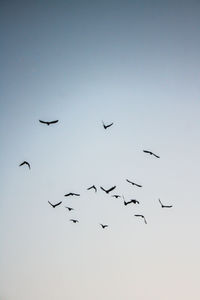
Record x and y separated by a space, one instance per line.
116 196
131 201
164 206
103 226
48 122
133 183
142 217
92 187
25 163
71 194
151 153
69 208
54 205
74 221
109 190
106 126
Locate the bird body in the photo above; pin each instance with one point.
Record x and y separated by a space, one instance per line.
133 183
131 201
116 196
165 206
74 221
25 163
69 208
71 194
48 122
54 205
151 153
106 126
92 187
109 190
103 226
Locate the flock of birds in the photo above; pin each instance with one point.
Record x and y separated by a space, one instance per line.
93 187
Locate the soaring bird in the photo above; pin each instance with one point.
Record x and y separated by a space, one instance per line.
116 196
25 163
106 126
131 201
71 194
151 153
164 206
69 208
54 205
109 190
74 221
48 122
104 226
142 217
92 187
133 183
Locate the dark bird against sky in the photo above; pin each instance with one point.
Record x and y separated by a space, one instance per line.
48 122
164 206
133 183
142 217
74 221
92 187
106 126
109 190
131 201
54 205
69 208
103 226
116 196
151 153
25 163
71 194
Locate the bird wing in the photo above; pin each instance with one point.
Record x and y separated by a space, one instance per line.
22 164
111 189
57 203
129 181
146 151
156 155
138 185
42 122
102 189
52 122
69 194
28 164
74 194
50 204
109 125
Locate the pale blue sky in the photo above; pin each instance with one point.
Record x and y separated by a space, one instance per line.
134 63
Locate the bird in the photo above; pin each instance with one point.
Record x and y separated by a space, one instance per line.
71 194
48 122
92 187
165 206
69 208
106 126
74 221
109 190
103 226
151 153
133 183
25 163
116 196
142 217
131 201
54 205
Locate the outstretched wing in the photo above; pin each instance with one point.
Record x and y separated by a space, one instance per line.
160 202
53 122
111 189
156 155
57 203
129 181
102 189
51 204
43 122
146 151
109 125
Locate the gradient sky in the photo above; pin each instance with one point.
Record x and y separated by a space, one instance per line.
134 63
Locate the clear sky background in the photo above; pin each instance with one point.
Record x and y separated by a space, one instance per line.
134 63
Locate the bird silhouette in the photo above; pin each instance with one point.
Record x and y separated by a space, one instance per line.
74 221
103 226
69 208
54 205
92 187
109 190
106 126
164 206
116 196
131 201
25 163
48 122
133 183
151 153
142 217
71 194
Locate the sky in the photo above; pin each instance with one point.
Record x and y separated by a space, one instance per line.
133 63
